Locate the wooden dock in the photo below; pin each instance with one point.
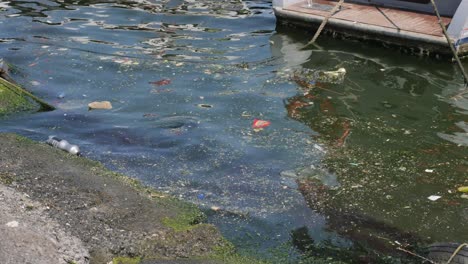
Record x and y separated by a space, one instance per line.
385 24
378 16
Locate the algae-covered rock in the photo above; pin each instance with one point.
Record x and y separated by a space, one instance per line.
14 98
12 101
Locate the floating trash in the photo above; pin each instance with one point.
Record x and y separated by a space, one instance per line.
434 197
331 76
215 208
204 105
258 124
161 82
100 105
63 145
319 148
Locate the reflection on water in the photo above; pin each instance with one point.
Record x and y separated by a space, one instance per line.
158 62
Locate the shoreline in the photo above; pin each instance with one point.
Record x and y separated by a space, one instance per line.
101 216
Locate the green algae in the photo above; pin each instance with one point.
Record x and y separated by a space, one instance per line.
226 253
188 219
126 260
23 139
12 101
186 215
13 98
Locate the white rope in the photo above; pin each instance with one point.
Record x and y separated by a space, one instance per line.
324 22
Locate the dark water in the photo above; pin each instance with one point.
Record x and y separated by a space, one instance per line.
186 80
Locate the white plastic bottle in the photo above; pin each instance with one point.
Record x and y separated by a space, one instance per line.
63 145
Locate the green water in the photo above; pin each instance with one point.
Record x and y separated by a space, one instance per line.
396 134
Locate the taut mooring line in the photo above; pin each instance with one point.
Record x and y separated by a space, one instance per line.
324 22
450 43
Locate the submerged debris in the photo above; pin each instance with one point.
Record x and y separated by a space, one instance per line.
308 78
331 76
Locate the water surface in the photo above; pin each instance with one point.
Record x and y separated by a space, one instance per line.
186 80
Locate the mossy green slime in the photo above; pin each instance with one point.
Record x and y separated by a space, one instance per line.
126 260
11 101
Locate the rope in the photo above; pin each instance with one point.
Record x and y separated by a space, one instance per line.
324 22
449 41
416 255
456 252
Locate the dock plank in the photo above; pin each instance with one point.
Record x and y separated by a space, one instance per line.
378 16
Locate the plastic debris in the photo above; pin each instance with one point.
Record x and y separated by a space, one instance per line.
331 76
61 95
100 105
434 197
161 82
463 189
258 124
429 171
319 148
63 145
246 114
201 196
204 106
